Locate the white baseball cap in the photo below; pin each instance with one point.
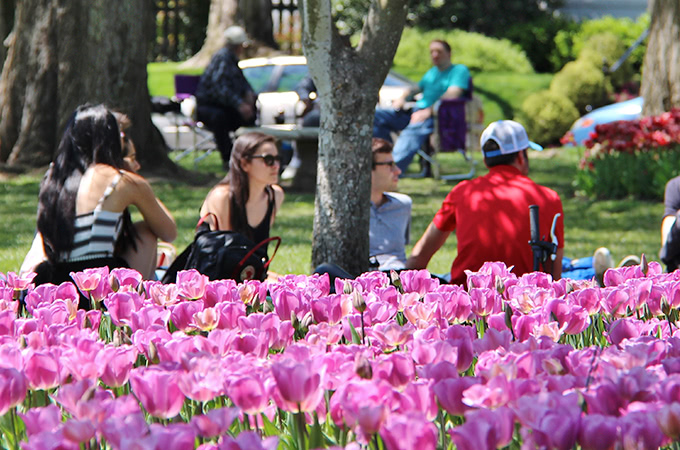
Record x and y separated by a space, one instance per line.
235 35
510 136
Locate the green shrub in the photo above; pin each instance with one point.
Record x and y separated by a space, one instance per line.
583 83
537 39
547 115
478 52
641 175
572 39
605 49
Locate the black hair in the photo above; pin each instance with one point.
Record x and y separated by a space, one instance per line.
379 145
91 137
244 148
500 160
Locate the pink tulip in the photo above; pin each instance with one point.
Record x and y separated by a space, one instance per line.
248 440
164 294
45 418
191 284
394 368
215 423
588 298
49 440
129 428
420 314
122 306
484 429
158 391
183 315
299 385
220 291
207 319
421 398
176 436
324 334
70 396
485 301
126 279
12 389
42 370
391 334
117 362
288 304
93 283
7 323
623 329
79 359
78 430
20 282
249 393
150 316
331 309
449 393
640 430
668 419
453 304
419 281
203 379
409 431
230 313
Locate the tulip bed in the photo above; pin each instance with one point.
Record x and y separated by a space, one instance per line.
390 362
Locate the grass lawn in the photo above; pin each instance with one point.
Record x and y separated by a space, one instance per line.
625 226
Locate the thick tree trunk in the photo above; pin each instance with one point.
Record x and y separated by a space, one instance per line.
661 72
223 14
348 81
68 52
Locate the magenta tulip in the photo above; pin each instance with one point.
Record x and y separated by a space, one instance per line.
78 430
191 284
122 306
248 440
164 294
126 279
248 393
395 368
215 423
598 432
419 281
93 283
409 431
12 389
449 393
20 282
299 385
42 370
117 362
158 391
45 418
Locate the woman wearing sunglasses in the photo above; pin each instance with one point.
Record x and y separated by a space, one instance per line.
247 199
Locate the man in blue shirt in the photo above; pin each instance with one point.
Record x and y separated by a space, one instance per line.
443 81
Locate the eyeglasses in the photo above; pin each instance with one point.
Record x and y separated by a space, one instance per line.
392 164
268 159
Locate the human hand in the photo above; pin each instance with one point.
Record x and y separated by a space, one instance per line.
421 115
246 110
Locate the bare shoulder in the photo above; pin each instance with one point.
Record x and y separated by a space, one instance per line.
279 195
218 194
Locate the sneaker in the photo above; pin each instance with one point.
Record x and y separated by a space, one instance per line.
602 260
630 260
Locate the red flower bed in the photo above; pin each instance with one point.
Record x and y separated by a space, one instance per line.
629 136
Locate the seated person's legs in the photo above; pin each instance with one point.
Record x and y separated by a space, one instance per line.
410 140
387 121
221 121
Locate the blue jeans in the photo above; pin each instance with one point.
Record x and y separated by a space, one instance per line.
578 269
411 138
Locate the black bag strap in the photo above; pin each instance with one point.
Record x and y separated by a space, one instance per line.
260 245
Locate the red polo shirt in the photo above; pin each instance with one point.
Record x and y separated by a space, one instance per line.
490 215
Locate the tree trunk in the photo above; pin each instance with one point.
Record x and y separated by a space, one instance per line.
347 80
6 24
64 53
223 14
257 18
661 72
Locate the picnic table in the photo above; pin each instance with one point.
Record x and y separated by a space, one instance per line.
306 140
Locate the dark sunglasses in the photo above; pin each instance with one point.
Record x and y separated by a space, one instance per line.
386 163
268 159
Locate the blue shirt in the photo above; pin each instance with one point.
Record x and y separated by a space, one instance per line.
435 82
390 229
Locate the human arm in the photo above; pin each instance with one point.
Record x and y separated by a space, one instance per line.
156 215
217 203
278 200
557 264
431 241
35 255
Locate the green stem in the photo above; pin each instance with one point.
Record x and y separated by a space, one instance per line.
13 413
442 427
362 329
300 425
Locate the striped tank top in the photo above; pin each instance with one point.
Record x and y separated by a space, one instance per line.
96 232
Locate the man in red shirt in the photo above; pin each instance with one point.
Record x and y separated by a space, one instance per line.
490 214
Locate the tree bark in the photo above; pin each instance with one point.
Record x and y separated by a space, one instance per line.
661 72
64 53
223 14
347 80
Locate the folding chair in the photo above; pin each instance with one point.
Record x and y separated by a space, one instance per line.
457 126
185 88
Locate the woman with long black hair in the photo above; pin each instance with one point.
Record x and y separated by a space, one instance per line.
247 199
83 216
